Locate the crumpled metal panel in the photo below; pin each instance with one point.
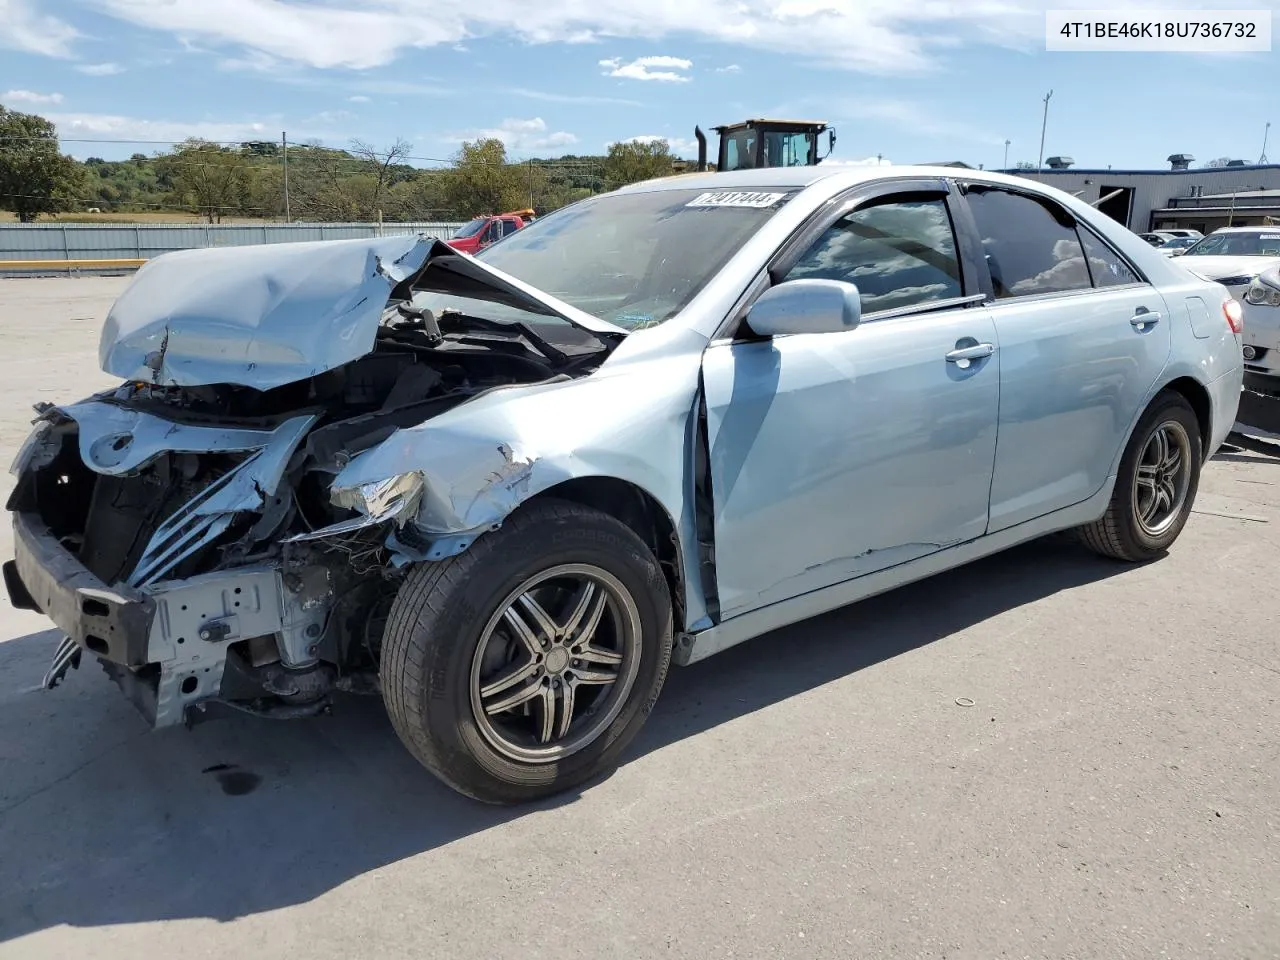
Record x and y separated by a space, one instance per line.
116 441
264 316
255 316
481 460
208 514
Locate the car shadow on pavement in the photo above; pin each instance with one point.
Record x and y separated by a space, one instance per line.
103 822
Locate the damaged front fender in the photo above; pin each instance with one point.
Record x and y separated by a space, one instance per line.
472 484
471 467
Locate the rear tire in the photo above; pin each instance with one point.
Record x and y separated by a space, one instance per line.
564 613
1156 485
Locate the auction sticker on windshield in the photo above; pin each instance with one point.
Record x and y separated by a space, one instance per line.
735 198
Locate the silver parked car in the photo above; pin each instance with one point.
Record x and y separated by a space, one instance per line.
506 492
1262 332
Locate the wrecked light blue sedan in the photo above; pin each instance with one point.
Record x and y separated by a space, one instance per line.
505 493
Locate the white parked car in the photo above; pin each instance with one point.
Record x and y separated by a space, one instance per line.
1234 256
1177 246
1262 330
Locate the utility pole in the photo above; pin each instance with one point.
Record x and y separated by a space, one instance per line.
1006 154
530 184
284 152
1044 124
1266 133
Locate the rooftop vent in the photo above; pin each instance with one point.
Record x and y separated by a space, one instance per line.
1059 163
1235 163
1180 161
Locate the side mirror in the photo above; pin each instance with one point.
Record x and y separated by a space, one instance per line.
806 306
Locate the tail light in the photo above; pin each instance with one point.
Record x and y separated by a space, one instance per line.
1234 313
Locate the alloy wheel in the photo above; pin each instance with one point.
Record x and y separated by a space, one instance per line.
555 663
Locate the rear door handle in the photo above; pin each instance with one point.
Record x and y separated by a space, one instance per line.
1144 318
962 355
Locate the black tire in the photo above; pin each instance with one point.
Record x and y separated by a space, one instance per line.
1121 533
436 624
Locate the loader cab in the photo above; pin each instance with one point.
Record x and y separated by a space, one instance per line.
767 143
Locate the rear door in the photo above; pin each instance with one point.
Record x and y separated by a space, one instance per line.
1082 338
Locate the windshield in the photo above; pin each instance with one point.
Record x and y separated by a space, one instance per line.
472 228
1261 244
635 259
1178 242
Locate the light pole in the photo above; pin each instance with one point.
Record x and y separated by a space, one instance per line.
1043 126
1006 155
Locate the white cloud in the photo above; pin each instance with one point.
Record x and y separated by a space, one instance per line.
731 68
917 119
358 98
150 135
641 69
520 135
865 162
571 97
325 117
876 36
29 96
31 32
100 69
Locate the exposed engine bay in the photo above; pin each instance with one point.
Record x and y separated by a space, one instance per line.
188 535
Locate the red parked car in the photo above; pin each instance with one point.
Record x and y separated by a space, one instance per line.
482 231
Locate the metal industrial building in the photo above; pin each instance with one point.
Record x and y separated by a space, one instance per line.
1204 198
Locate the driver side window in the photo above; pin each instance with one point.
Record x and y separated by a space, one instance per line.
900 250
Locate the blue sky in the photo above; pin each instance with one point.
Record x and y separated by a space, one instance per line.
911 80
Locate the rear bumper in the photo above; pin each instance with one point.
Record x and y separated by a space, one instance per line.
110 622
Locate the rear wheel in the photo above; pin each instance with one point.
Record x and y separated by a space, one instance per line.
524 666
1156 485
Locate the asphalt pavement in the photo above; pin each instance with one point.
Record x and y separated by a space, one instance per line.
1045 754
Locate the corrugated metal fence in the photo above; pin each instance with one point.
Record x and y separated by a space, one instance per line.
88 241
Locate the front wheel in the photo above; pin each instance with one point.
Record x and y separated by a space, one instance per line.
526 665
1155 486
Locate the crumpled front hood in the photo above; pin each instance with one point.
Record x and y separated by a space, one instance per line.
265 315
1218 268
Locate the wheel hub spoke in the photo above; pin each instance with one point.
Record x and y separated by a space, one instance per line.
523 631
594 676
516 698
544 626
596 655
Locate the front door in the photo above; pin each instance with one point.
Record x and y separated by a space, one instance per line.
835 455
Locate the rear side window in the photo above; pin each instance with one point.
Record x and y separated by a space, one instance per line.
1105 265
1028 250
900 251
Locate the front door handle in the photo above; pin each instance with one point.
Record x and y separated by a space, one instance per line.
1144 318
962 355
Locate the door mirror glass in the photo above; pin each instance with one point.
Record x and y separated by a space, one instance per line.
806 306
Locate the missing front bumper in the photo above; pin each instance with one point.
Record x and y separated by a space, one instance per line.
167 645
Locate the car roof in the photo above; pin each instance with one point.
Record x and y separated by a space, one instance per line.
1246 230
833 175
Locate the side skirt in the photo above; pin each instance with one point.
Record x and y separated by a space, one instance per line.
732 632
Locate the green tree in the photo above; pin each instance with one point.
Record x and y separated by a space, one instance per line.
35 177
384 166
482 180
206 177
632 161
